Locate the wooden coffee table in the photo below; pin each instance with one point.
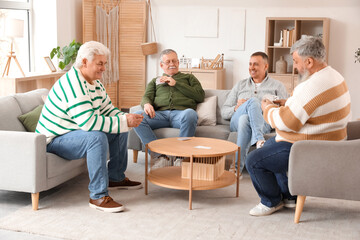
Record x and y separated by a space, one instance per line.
193 148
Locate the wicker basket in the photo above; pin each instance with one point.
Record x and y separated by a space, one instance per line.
217 63
149 48
207 168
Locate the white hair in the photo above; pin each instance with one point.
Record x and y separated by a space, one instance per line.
88 50
166 52
309 46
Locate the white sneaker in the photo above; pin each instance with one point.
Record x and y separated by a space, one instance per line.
260 144
234 170
288 203
262 210
161 161
177 162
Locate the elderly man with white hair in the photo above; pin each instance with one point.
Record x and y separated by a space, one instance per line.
170 101
319 109
80 121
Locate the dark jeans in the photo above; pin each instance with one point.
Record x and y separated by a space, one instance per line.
267 167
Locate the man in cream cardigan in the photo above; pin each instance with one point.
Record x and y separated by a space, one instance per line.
319 109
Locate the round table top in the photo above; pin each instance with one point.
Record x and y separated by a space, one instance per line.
192 146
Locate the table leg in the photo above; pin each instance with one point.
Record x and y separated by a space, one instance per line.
191 182
238 173
146 169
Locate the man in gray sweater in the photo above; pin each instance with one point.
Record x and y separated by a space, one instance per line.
243 105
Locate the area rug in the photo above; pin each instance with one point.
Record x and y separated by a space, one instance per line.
164 214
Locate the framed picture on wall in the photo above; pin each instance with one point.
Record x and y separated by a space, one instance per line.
50 64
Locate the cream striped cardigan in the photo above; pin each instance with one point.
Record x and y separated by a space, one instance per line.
319 109
74 104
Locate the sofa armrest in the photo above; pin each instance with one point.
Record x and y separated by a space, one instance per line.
327 169
23 161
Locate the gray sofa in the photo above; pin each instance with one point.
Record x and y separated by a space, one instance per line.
24 165
220 131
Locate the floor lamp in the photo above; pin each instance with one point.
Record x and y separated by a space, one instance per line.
14 28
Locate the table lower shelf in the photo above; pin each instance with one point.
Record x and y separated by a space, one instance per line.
170 177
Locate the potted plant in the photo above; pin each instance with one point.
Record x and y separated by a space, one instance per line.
66 55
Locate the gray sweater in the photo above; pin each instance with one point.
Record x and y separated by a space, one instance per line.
246 89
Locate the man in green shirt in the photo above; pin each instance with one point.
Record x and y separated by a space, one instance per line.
170 100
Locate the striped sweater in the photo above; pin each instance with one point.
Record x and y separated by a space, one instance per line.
74 104
319 109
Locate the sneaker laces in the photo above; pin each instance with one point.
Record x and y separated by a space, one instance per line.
262 206
107 199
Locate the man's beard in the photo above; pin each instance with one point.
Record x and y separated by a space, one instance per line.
303 77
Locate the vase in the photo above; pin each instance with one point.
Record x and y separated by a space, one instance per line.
281 66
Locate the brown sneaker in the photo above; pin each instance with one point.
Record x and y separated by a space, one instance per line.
125 184
106 204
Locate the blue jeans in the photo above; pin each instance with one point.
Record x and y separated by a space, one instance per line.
94 145
267 167
250 126
185 120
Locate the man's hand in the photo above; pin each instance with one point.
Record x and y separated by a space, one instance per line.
280 102
239 103
169 80
134 120
264 103
149 110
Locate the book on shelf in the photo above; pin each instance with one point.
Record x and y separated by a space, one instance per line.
288 37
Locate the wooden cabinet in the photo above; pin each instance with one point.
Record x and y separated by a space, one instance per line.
11 85
297 27
209 79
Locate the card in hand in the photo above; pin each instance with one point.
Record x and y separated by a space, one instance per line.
158 81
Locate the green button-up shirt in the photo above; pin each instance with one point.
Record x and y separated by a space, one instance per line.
186 93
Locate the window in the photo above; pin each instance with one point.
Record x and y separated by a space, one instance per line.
15 12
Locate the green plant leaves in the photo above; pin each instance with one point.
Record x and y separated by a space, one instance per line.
55 51
67 53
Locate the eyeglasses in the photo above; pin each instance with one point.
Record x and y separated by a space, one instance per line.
171 61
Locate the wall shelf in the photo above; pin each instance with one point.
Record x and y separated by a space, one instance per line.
299 27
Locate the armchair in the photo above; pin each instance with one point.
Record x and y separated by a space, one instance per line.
328 169
25 166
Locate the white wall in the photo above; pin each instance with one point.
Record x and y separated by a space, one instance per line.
44 32
69 21
168 16
55 23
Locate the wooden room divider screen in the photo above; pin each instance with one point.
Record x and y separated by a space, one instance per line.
130 87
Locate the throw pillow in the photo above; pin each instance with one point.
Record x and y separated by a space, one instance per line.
207 112
30 119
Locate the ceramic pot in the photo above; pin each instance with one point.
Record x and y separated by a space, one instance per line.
281 66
